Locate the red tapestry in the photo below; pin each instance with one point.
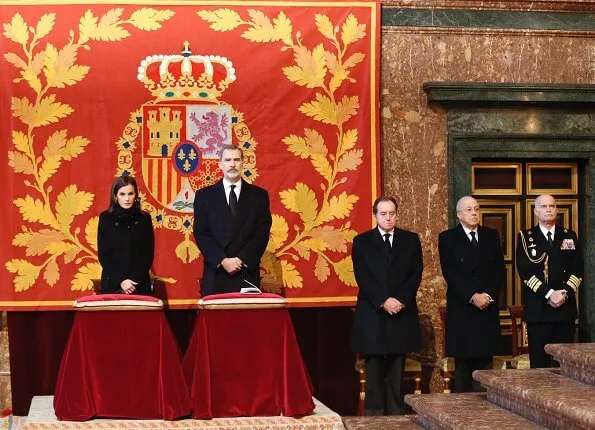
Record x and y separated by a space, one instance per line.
84 90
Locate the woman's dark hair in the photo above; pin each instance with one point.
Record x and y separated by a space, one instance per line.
120 182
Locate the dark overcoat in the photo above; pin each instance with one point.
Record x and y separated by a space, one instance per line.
564 269
219 235
380 276
126 244
471 332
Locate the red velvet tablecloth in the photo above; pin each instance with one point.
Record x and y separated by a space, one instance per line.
121 364
246 362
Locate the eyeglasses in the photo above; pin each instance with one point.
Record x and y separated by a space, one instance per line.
471 209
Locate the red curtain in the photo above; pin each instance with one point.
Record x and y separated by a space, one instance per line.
36 343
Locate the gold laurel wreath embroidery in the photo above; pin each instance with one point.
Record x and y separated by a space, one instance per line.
46 70
323 68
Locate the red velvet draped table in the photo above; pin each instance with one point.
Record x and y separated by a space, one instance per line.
121 364
246 362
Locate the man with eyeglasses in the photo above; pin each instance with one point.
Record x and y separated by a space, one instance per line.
550 264
473 267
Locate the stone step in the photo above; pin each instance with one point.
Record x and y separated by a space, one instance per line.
393 422
577 360
464 411
543 396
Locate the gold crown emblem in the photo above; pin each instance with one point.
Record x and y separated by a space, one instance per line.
199 77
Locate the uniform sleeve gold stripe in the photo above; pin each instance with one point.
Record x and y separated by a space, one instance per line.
534 283
574 282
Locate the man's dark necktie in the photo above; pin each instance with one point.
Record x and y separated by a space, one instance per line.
387 242
473 239
233 200
550 241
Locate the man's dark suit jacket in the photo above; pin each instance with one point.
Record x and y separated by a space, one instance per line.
380 276
218 235
565 270
471 332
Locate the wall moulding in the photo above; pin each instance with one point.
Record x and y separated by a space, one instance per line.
539 5
571 21
467 31
508 94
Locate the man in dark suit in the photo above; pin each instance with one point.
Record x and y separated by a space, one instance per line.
473 267
388 265
550 264
232 223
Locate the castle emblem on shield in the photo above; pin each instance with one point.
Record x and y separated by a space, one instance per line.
180 149
179 133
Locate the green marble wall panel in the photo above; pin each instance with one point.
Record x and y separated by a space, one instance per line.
493 19
522 122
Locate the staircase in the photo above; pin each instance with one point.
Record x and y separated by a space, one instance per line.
561 398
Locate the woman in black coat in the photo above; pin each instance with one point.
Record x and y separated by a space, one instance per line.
125 242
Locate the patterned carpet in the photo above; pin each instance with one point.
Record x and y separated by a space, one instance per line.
12 423
41 416
406 422
324 418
